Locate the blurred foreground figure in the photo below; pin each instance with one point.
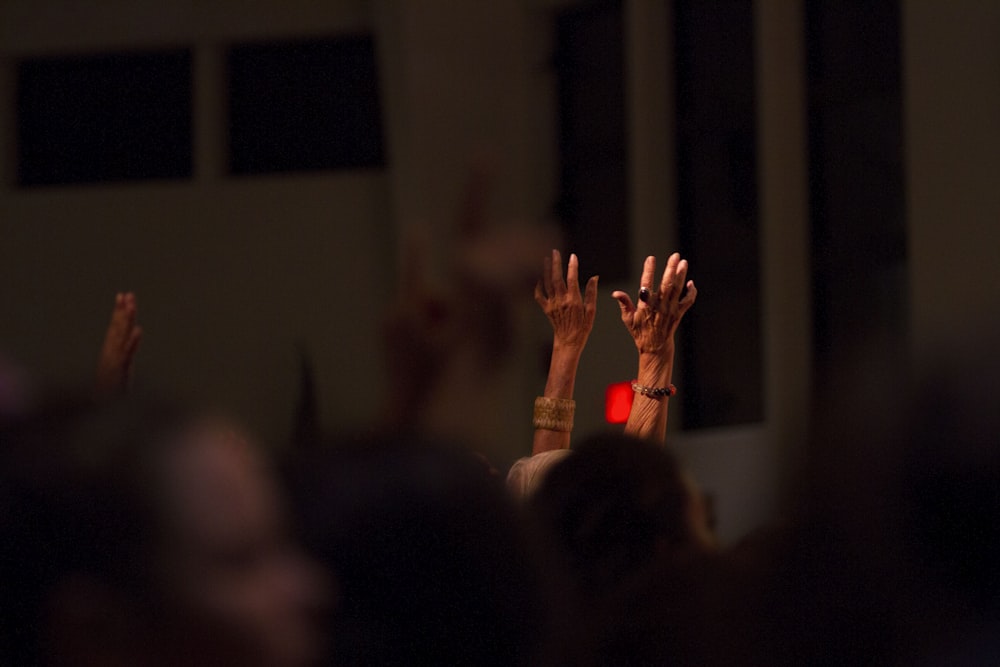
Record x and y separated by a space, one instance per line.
433 563
138 534
625 516
892 556
616 505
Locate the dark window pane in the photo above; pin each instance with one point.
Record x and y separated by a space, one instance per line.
717 212
304 105
593 198
856 178
109 117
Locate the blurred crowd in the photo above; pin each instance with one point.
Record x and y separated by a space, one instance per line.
141 530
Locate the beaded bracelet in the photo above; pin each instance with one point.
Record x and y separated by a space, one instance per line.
554 414
654 392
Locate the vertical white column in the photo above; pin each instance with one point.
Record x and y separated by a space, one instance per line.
650 118
782 168
951 106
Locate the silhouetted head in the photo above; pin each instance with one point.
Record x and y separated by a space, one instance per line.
616 504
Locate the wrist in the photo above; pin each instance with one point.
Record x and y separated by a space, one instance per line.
655 369
567 350
562 371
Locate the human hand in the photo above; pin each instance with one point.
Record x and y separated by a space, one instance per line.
571 315
114 367
654 320
418 331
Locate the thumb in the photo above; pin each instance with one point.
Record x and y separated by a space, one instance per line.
625 302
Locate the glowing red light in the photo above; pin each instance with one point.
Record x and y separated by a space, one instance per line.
618 402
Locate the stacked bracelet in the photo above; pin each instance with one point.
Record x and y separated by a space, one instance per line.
654 392
554 414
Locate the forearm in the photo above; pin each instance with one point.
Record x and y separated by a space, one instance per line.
108 383
560 383
648 419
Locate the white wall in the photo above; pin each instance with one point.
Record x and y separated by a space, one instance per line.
231 273
951 69
230 276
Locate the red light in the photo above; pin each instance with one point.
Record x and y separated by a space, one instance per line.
618 402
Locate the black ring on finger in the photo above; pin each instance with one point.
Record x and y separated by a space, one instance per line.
644 294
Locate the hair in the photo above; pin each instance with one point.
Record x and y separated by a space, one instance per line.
611 505
78 497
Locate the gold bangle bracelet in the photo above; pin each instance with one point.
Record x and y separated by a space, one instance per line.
554 414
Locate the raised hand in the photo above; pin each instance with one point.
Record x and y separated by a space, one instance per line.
419 334
114 367
654 320
571 315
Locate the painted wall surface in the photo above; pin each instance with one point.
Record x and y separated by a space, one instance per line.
230 278
952 103
231 273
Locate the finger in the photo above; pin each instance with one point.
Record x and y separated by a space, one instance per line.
689 298
680 280
590 296
133 342
557 276
540 295
648 271
669 282
550 290
119 321
573 274
130 308
625 302
676 287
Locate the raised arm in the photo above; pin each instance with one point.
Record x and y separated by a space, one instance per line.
572 317
121 342
652 323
